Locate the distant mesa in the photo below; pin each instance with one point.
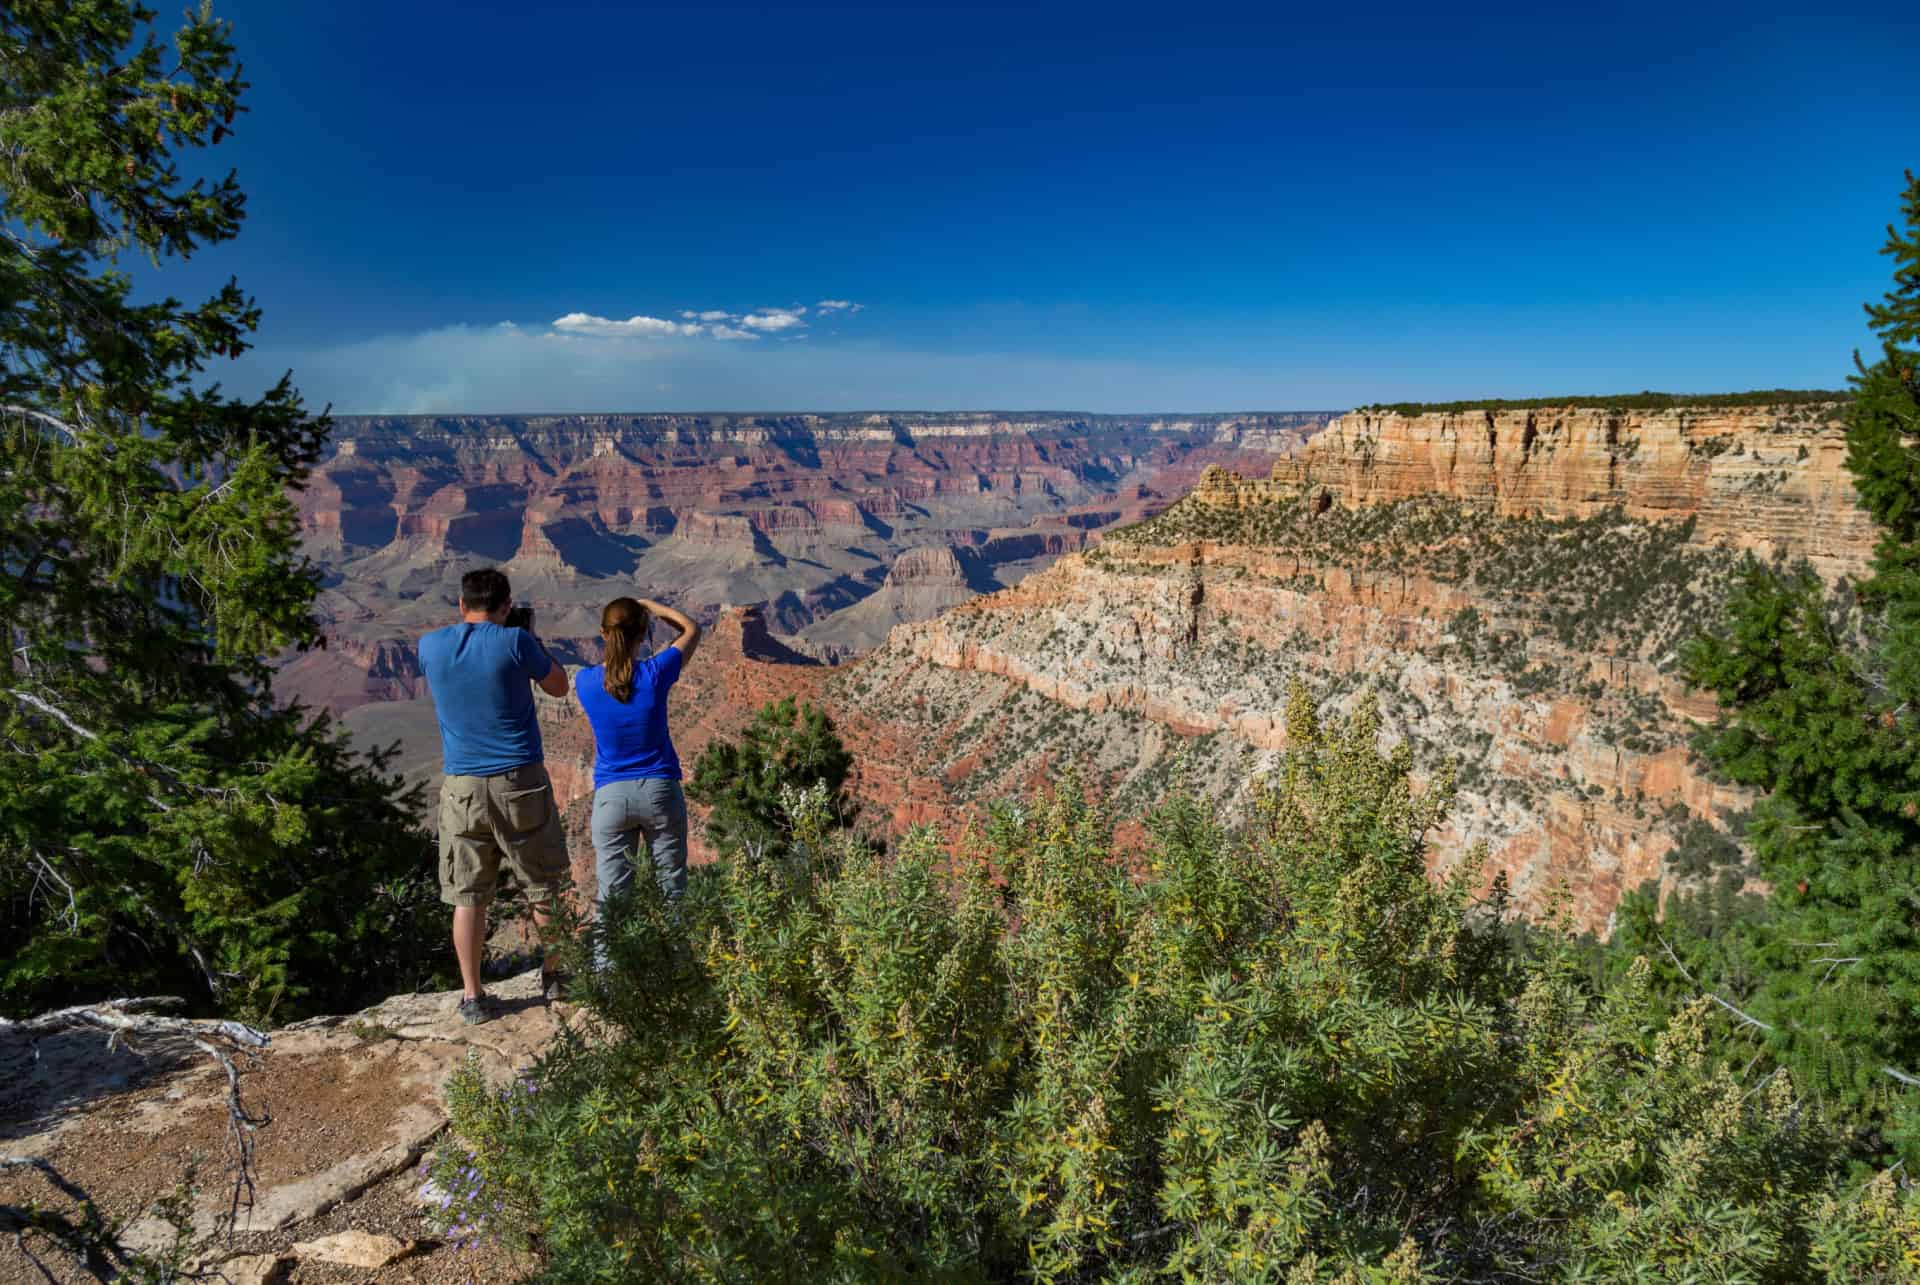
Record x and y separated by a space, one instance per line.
928 566
1749 473
921 583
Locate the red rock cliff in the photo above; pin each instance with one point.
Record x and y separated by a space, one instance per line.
1512 588
1770 479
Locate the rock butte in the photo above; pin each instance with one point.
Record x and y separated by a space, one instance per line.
1769 479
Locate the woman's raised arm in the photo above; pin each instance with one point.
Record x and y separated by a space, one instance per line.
689 630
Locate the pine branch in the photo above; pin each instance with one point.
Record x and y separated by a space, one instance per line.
215 986
59 425
55 712
46 873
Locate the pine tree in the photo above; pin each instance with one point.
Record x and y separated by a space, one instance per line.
788 747
163 823
1821 699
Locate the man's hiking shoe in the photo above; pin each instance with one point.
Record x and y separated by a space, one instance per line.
475 1009
554 985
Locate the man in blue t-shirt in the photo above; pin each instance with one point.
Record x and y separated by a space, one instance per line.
496 802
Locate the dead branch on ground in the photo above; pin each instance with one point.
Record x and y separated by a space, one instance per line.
128 1023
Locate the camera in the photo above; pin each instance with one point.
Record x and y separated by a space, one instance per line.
520 617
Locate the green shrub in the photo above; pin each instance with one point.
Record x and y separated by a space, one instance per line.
1279 1055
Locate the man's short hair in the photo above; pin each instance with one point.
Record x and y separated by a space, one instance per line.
485 590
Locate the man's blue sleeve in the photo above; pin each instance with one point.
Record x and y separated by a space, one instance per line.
530 656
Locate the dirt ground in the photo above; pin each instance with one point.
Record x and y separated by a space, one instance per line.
351 1106
390 1208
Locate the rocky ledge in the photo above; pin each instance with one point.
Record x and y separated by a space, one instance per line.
351 1105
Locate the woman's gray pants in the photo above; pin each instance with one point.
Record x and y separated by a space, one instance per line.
625 812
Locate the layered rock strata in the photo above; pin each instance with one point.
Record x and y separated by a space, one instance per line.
1513 597
1769 479
1512 588
921 583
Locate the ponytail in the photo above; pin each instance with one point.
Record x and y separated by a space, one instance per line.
623 627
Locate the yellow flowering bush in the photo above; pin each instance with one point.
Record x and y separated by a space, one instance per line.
1286 1054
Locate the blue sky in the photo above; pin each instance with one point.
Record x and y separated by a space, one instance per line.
1100 208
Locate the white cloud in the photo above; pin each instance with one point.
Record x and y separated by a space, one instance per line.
716 322
775 318
585 323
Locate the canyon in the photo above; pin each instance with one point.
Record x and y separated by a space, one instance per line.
1511 588
810 515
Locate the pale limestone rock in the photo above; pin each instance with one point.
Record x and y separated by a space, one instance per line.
1771 479
354 1249
426 1043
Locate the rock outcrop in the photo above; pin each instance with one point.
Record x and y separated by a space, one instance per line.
921 583
348 1105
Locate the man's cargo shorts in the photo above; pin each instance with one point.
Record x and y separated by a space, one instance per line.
487 819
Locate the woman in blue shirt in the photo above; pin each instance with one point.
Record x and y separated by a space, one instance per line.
636 774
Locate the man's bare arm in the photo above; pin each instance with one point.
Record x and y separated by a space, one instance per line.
689 631
554 683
